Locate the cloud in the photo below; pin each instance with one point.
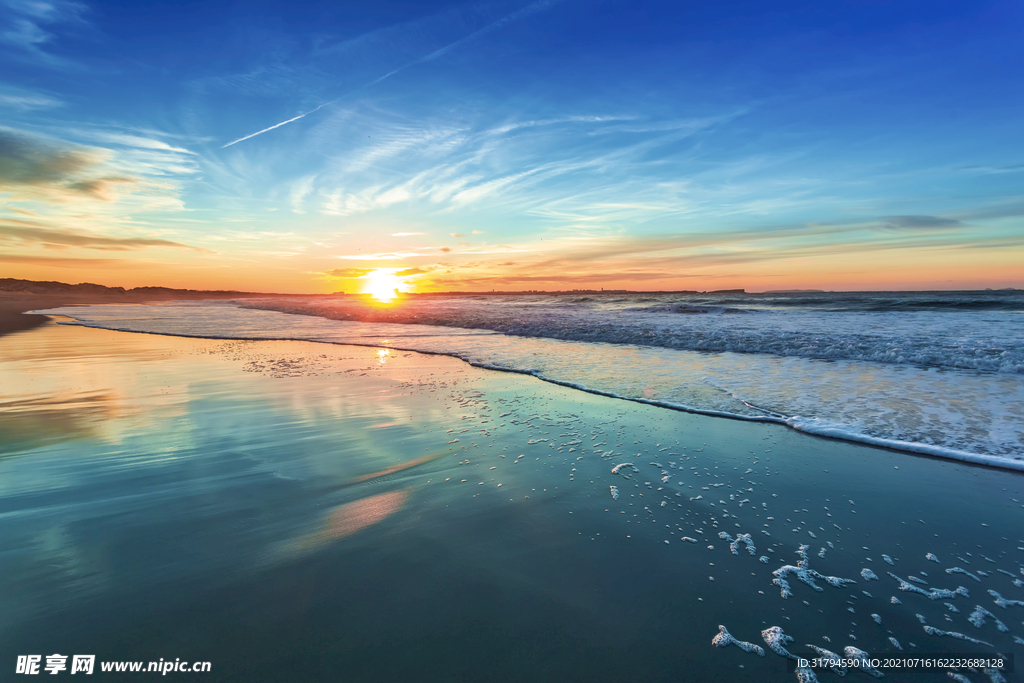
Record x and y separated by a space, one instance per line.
990 170
24 100
349 272
440 52
300 190
478 232
446 249
27 232
919 222
457 234
22 26
39 168
411 271
523 12
405 234
380 257
28 161
63 262
139 141
101 188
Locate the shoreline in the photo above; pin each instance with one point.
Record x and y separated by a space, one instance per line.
795 423
15 305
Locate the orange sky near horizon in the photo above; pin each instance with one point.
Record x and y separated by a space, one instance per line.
899 269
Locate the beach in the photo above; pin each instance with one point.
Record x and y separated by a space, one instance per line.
294 510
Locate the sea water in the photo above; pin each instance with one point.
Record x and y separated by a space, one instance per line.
939 373
293 510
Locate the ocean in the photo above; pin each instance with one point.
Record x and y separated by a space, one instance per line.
938 373
323 489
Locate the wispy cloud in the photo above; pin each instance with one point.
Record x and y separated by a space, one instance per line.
524 12
41 167
994 170
919 222
84 263
24 233
22 27
33 168
390 256
300 190
349 272
26 100
533 8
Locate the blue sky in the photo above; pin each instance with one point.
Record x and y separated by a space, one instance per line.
513 145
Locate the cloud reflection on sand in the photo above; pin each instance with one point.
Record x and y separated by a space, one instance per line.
342 521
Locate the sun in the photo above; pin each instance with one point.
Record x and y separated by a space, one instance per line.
383 285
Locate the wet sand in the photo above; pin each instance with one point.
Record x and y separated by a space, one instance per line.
303 511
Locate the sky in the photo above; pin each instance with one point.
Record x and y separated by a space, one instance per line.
550 145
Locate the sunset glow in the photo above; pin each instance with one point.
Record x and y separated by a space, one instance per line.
336 160
383 285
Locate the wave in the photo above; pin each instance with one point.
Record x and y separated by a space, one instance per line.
688 309
946 413
961 341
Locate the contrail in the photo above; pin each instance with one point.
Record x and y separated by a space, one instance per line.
518 14
278 125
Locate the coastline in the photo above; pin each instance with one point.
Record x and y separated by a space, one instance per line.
14 305
294 486
479 348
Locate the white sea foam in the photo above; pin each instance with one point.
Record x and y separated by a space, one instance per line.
802 572
836 664
932 631
959 570
776 640
863 660
868 575
977 618
805 675
724 639
618 469
734 543
995 675
932 594
1005 602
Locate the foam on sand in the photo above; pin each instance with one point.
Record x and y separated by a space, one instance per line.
959 570
725 639
978 619
863 660
776 640
1004 602
932 631
836 664
805 574
932 594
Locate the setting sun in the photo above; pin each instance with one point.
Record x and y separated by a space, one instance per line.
383 285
